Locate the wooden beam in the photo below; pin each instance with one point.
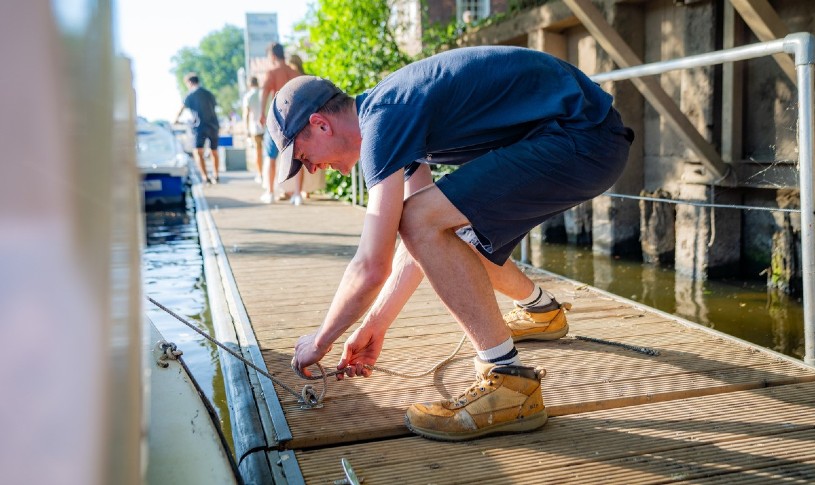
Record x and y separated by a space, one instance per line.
555 44
763 20
624 56
732 89
553 17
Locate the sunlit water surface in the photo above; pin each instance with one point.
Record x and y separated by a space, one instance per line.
173 275
743 309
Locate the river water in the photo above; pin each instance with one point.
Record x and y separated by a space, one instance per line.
173 275
743 309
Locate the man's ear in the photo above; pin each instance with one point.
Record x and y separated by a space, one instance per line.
320 122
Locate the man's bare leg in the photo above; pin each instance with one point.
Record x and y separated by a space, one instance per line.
259 156
268 194
296 198
215 163
202 165
428 228
508 279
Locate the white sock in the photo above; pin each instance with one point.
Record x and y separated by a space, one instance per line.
538 297
502 354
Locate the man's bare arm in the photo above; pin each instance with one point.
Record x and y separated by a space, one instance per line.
179 114
246 118
406 274
267 92
363 347
364 276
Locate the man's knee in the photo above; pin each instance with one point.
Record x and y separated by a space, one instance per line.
427 214
410 225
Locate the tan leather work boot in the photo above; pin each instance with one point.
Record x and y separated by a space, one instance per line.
503 399
549 324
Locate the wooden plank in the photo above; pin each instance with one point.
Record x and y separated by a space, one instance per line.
332 425
613 377
687 439
287 296
763 20
624 56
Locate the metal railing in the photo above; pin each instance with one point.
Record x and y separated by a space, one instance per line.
357 187
802 46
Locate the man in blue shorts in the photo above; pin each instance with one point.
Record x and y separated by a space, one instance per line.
271 152
532 136
277 76
201 104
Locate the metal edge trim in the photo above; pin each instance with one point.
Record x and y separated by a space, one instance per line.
285 467
244 330
236 378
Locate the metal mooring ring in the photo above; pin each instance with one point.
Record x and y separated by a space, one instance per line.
309 398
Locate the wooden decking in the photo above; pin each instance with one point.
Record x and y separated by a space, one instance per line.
707 409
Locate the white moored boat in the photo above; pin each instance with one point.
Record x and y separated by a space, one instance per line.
164 166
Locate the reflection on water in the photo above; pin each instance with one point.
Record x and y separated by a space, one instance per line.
173 275
742 309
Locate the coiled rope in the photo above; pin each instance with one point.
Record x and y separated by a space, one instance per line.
389 372
307 397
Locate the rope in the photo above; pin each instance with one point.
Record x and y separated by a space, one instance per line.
169 351
307 397
635 348
701 204
389 372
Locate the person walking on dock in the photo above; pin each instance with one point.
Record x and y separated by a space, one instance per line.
205 126
532 137
276 77
252 113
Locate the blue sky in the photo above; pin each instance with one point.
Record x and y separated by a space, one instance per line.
150 32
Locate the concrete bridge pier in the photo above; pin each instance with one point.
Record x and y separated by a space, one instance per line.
578 224
708 240
615 222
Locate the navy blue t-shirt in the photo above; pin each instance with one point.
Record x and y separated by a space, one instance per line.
202 104
458 105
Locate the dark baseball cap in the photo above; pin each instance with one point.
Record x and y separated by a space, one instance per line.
288 115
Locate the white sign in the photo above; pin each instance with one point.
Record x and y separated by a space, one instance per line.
261 30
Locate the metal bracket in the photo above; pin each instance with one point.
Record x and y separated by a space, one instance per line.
309 398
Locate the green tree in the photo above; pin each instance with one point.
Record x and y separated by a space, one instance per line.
350 42
216 60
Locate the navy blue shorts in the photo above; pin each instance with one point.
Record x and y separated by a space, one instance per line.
269 148
509 191
204 134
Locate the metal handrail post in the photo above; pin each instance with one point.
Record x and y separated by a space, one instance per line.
354 185
803 46
361 185
526 257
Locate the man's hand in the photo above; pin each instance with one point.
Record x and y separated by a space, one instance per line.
263 121
362 348
306 353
